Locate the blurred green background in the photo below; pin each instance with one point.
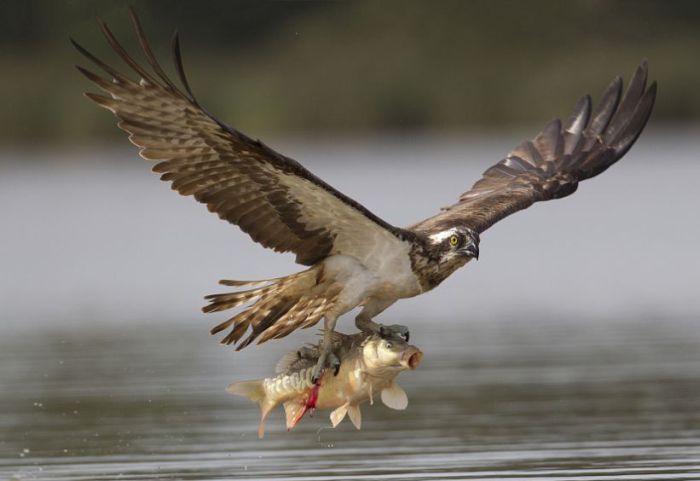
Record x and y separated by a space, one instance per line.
353 66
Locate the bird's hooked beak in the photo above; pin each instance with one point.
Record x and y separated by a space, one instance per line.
471 249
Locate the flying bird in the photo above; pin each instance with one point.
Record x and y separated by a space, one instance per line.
353 257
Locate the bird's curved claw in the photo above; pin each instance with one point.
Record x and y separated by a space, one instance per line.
325 360
395 331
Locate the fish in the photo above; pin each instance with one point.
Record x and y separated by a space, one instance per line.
368 364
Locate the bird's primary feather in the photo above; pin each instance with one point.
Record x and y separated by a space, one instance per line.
355 258
551 165
273 198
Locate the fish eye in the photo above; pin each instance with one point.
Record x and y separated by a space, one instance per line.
454 240
387 345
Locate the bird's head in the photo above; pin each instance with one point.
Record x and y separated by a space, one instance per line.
455 245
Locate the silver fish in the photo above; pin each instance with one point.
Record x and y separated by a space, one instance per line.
368 364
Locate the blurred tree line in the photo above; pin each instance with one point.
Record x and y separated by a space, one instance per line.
339 66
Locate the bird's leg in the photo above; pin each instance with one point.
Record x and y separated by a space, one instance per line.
396 331
327 357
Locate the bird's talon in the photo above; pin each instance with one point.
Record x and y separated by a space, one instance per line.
329 360
318 372
334 362
395 331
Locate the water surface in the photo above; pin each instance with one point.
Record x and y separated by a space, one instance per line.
518 399
571 350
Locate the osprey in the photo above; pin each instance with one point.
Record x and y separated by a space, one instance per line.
354 258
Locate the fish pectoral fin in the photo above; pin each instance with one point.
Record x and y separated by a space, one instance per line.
394 397
355 415
338 414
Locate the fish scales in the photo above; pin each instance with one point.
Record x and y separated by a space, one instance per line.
369 364
284 385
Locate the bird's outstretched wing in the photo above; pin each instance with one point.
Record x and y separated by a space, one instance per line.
551 165
271 197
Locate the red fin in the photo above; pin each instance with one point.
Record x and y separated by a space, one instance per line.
309 404
291 410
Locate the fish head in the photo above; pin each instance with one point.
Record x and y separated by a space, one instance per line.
390 355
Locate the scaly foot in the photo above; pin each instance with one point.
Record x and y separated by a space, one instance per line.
395 331
327 359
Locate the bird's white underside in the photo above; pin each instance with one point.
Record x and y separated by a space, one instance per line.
372 263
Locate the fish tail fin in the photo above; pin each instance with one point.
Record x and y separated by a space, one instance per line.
265 408
254 391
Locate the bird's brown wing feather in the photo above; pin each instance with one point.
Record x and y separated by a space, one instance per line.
271 197
551 165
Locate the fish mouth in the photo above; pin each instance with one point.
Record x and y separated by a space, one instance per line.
412 358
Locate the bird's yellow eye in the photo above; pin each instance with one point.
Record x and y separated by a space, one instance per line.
454 240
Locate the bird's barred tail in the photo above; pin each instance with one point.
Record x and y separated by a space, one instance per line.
279 306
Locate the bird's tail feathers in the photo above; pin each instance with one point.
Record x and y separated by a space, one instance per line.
279 306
